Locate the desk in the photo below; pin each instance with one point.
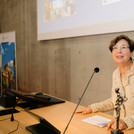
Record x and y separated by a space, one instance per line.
58 115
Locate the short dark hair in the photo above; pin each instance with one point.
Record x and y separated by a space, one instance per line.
120 37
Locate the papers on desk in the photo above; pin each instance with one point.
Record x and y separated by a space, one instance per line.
97 120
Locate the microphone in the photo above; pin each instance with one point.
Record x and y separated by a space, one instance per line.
96 70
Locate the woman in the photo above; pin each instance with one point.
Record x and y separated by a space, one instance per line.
123 78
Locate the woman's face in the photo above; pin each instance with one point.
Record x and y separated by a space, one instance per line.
121 53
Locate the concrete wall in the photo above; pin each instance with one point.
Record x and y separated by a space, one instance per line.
59 67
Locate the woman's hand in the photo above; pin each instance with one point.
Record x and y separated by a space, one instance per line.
112 125
85 110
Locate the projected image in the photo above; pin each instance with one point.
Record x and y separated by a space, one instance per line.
109 1
54 9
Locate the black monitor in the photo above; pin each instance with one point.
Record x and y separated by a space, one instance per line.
35 101
44 127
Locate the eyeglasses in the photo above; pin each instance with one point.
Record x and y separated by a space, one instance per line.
115 48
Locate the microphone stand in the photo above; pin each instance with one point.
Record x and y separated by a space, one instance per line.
96 70
119 102
12 116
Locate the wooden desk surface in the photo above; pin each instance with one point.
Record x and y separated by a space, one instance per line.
58 115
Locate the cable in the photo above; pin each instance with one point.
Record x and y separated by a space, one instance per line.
16 128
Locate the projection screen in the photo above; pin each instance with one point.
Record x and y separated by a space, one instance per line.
72 18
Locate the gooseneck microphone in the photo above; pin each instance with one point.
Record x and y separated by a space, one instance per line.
96 70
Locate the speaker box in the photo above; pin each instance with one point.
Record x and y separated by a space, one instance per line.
7 100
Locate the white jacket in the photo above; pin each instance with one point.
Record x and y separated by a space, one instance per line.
126 87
